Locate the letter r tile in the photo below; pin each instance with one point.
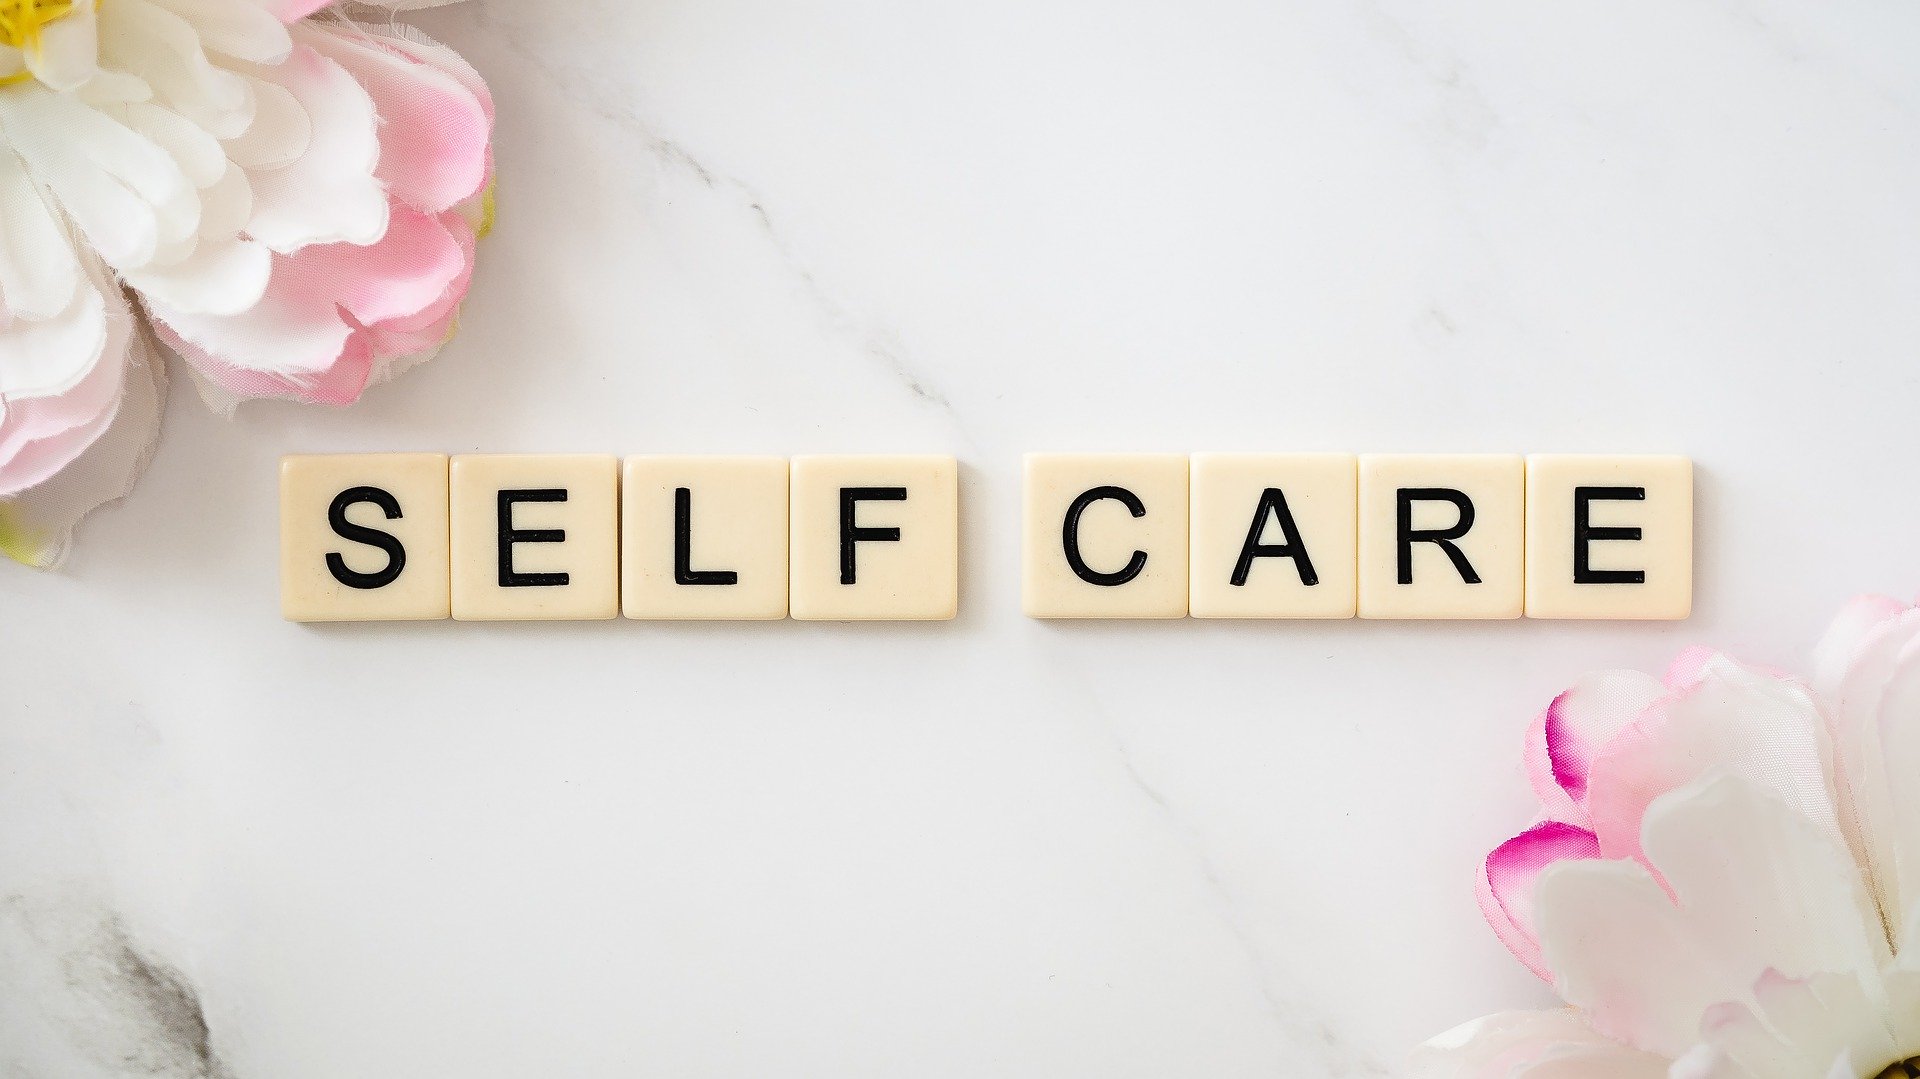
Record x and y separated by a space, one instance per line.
363 537
1442 535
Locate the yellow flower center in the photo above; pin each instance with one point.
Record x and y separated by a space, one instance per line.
21 22
1905 1069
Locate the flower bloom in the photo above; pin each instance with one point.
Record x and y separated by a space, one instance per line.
1724 881
285 198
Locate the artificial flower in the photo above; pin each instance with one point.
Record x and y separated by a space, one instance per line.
282 196
1724 881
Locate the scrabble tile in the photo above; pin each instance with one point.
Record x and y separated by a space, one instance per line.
875 538
1609 536
1442 536
704 537
1274 535
1105 536
363 537
535 536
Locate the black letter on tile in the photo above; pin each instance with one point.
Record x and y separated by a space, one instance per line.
372 537
1273 503
851 533
1407 535
509 535
683 571
1070 537
1584 533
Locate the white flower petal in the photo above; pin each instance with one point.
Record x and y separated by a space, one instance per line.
1867 709
1621 951
126 193
1498 1046
38 273
45 357
200 156
37 527
1801 1028
224 277
279 133
69 49
329 193
1758 889
139 36
289 335
114 88
243 31
42 433
226 206
1764 887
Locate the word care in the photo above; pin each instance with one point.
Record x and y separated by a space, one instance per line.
483 536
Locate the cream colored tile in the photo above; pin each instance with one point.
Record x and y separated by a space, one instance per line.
1609 536
704 537
1442 535
535 536
363 537
1274 535
875 538
1105 536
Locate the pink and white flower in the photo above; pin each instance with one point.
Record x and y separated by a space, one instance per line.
1724 881
285 197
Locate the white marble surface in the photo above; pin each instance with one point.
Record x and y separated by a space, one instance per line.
993 847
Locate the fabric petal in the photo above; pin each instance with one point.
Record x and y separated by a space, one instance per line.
1622 953
166 50
1571 732
1763 886
1727 716
1801 1027
1500 1046
68 53
126 193
434 132
279 133
329 193
242 31
38 272
225 278
1869 696
1757 888
49 357
290 11
36 528
1507 879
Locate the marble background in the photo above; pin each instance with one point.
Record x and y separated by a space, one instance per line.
235 847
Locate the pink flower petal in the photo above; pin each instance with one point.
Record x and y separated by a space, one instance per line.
290 11
431 325
1573 729
1507 881
1740 719
340 383
434 132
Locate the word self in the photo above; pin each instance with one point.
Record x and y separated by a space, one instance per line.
479 537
